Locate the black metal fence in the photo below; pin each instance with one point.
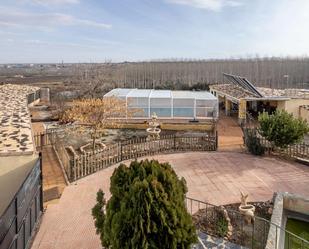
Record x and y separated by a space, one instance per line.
18 222
231 225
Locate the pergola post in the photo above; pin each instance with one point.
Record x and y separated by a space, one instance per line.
228 107
242 111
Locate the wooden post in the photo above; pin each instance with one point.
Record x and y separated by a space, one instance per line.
42 140
216 140
174 147
120 151
242 111
228 107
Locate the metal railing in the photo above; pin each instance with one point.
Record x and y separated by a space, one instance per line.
258 234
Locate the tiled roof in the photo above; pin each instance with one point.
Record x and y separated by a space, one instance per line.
268 92
15 122
239 92
233 91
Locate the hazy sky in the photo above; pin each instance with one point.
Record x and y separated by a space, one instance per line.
96 30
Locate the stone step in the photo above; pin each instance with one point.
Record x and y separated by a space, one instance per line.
209 242
51 194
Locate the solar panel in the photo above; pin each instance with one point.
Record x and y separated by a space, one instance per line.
243 83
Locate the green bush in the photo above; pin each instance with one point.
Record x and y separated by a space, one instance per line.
146 210
222 227
253 143
98 213
281 128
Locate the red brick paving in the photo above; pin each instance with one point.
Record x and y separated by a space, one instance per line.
215 177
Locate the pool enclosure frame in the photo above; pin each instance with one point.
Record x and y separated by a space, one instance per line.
168 104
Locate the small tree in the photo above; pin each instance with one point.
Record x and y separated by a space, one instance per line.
281 128
146 210
97 114
98 213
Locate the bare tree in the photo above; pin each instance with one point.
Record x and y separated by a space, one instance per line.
96 115
265 72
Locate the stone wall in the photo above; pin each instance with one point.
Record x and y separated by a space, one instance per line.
284 203
15 121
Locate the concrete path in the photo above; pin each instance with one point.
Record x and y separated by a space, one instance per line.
215 177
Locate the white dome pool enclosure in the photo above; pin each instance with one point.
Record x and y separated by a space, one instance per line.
168 104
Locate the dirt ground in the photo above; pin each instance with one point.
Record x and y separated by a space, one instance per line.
229 132
230 139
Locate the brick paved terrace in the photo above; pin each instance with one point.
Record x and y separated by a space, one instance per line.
215 177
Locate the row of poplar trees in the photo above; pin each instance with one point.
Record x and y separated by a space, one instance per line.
264 72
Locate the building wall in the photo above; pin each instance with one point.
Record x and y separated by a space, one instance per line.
281 105
304 113
292 106
19 221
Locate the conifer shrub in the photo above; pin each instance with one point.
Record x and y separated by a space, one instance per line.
146 209
253 143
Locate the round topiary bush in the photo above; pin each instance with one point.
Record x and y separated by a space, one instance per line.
146 210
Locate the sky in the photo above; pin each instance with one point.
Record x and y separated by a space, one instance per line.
52 31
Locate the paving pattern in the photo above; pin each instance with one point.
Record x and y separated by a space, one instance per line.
15 120
215 177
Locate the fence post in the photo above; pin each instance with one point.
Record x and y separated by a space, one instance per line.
216 140
42 140
41 181
174 142
120 151
252 236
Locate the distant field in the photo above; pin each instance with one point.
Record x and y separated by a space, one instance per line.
94 79
33 79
